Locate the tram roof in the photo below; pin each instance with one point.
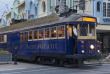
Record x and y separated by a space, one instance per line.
53 19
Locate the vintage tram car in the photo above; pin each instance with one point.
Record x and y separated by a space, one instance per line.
53 39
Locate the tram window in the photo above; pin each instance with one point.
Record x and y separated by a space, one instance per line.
84 30
30 35
92 30
47 33
21 37
2 38
61 31
35 35
5 38
40 34
54 32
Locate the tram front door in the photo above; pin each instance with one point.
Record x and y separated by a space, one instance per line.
72 39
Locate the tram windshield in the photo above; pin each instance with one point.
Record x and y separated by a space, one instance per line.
86 30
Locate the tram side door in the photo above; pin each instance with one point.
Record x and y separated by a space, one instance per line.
70 39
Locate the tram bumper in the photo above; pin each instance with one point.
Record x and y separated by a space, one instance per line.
84 56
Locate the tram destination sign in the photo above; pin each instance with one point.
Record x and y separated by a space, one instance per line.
37 21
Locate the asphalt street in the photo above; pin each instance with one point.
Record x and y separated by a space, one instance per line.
45 69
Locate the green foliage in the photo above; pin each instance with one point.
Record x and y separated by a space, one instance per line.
4 52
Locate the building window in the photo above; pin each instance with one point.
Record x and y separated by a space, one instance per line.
108 9
54 32
44 6
35 35
104 9
47 33
30 36
61 31
82 4
36 11
40 34
98 6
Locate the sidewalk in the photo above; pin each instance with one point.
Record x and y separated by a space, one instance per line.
20 65
103 61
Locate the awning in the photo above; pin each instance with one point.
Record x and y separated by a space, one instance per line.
103 28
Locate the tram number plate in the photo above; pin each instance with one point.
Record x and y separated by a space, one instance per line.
91 51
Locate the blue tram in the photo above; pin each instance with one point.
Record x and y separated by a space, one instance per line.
69 39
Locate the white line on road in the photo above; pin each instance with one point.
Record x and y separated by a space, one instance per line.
31 71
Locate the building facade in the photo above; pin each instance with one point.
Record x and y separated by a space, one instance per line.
14 10
47 7
31 8
0 23
21 10
8 18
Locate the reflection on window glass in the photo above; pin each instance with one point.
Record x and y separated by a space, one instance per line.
84 30
61 31
35 34
92 30
40 34
30 35
47 33
21 37
53 32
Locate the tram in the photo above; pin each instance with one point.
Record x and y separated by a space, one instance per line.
53 39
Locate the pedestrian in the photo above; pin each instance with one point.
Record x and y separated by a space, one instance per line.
108 57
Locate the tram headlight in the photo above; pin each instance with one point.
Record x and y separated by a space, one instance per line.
92 46
82 51
98 51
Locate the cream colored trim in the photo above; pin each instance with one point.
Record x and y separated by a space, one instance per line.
40 39
54 38
61 37
35 39
86 37
46 38
88 29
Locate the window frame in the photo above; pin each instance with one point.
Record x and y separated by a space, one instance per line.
98 6
43 6
58 32
43 34
49 33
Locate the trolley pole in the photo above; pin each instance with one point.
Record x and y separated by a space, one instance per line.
15 59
